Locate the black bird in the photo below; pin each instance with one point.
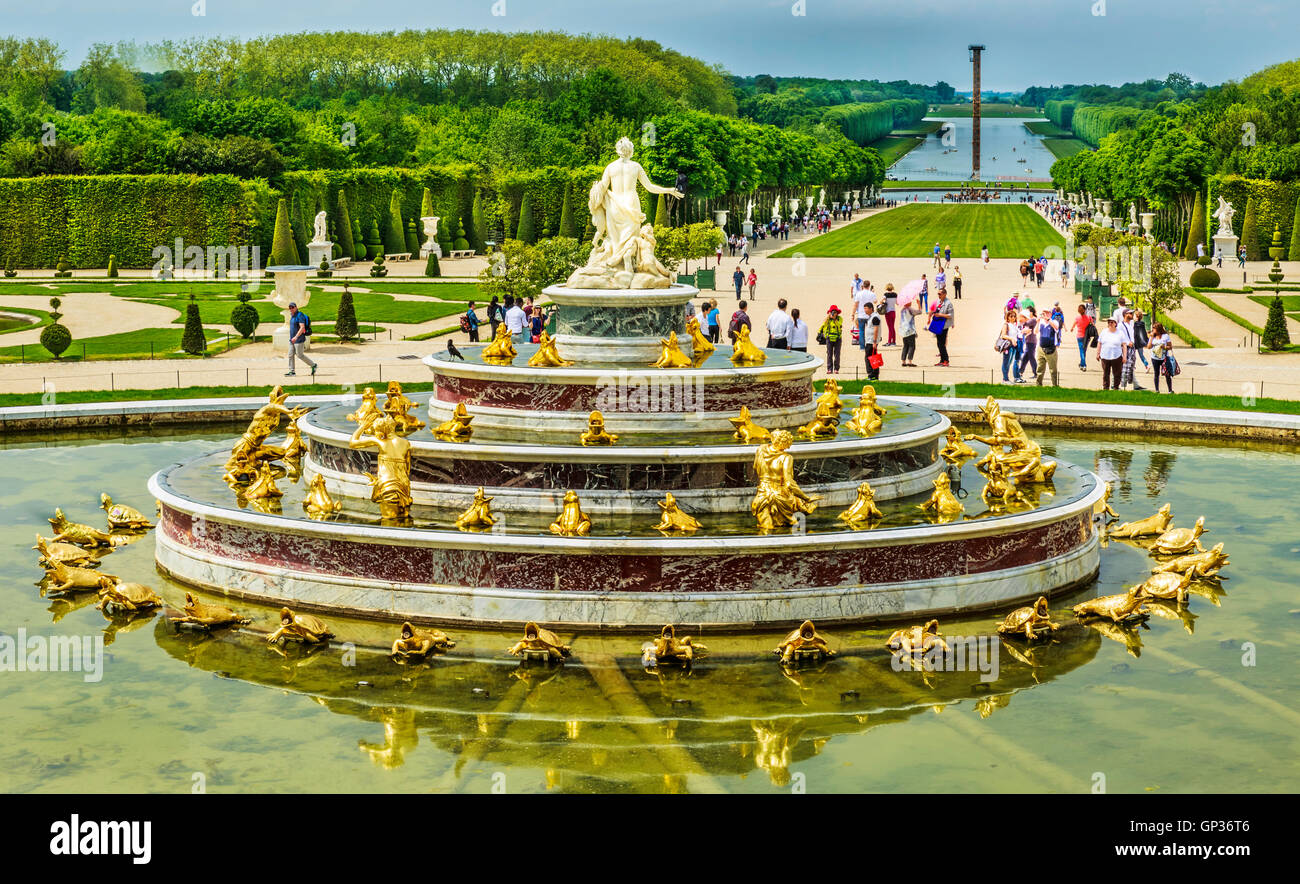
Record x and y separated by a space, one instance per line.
453 352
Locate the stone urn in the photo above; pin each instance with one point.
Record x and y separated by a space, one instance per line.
430 245
720 217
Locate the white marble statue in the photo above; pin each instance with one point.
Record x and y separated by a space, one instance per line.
1224 214
821 198
776 209
622 256
749 211
319 232
1132 215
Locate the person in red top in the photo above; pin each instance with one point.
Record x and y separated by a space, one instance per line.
1081 323
753 282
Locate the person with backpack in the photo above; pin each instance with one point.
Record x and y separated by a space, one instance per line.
299 332
494 315
469 323
739 318
831 334
1049 339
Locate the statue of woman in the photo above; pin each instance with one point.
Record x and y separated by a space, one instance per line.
779 496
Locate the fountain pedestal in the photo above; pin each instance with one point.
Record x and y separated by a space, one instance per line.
1226 243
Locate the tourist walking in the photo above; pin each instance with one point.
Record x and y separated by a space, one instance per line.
1140 337
753 283
925 294
1029 342
861 300
947 256
515 318
299 332
738 279
1127 378
831 334
871 344
907 327
1049 339
494 314
739 318
798 332
1085 331
471 323
956 283
1008 337
942 321
891 307
1110 353
744 252
711 315
1162 357
984 256
778 328
937 262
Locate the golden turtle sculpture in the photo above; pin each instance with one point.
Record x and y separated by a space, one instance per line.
804 644
1033 621
1166 585
1147 527
538 642
1180 540
75 532
65 577
1201 564
1116 608
416 644
199 615
128 598
68 553
668 648
301 628
122 517
916 639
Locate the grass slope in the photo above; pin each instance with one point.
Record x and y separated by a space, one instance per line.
893 148
911 231
958 185
987 109
1064 147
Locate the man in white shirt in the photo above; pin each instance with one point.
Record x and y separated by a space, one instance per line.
861 298
1118 314
778 328
515 319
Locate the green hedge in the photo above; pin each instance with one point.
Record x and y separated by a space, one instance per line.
1092 123
86 218
864 123
1061 113
1275 203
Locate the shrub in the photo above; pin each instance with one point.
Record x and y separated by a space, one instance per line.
193 342
345 245
379 269
431 267
244 317
661 212
478 227
55 337
445 228
359 241
1196 234
61 269
527 230
112 266
459 241
567 226
10 272
1249 231
1275 336
323 271
1204 278
395 230
412 239
283 249
345 324
374 246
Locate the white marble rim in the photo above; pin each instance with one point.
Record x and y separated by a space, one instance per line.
669 296
524 373
620 453
695 545
490 606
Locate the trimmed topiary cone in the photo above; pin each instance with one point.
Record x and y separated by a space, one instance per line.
193 341
1276 336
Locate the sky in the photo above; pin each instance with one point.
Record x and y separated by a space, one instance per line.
1029 42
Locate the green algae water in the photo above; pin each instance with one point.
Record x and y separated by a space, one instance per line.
1197 701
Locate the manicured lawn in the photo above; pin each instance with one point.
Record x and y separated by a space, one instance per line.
73 396
925 127
987 109
148 289
158 343
1048 128
893 148
1064 147
42 318
956 185
369 306
911 231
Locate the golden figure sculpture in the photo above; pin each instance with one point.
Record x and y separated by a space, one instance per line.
368 411
1033 621
1116 608
67 554
538 642
831 396
699 343
456 428
1103 506
318 501
1180 540
1009 444
673 519
479 515
596 434
743 351
823 425
863 511
501 350
263 486
251 449
913 640
804 644
127 598
294 447
1000 490
668 648
956 449
75 532
573 522
398 407
202 616
547 356
867 417
65 577
122 517
943 503
391 484
416 644
746 430
1150 526
779 498
304 628
1201 564
671 356
1166 585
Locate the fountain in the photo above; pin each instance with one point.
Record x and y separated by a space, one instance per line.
606 492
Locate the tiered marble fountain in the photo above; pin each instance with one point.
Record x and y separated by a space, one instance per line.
676 437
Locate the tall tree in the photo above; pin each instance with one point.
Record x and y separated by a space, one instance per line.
395 229
283 248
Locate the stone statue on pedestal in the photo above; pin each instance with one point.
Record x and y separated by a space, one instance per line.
1224 214
319 233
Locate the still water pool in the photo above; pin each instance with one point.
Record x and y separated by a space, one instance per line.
1205 702
1007 151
